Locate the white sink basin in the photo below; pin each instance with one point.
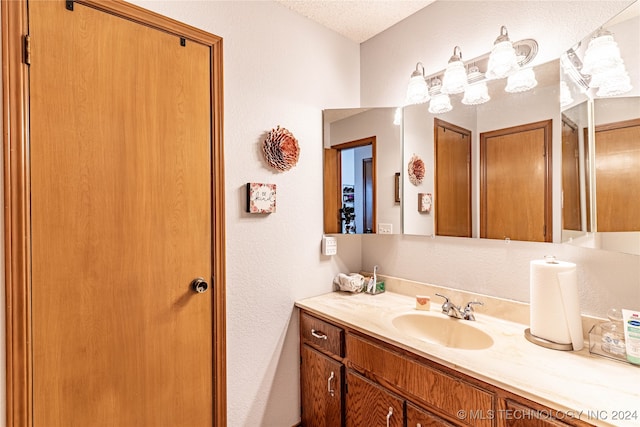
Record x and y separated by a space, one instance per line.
439 329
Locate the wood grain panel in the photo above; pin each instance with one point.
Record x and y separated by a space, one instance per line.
517 415
453 180
121 222
368 404
320 375
16 94
436 389
515 183
618 176
332 195
571 211
322 335
417 417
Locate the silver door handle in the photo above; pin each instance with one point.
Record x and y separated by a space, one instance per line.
389 415
318 334
329 389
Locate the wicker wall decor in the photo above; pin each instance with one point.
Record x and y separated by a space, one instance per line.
281 149
416 170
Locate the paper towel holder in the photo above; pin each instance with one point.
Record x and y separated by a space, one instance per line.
546 343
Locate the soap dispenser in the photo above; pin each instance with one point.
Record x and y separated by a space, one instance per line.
613 334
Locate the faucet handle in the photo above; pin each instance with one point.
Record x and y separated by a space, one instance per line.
470 303
446 299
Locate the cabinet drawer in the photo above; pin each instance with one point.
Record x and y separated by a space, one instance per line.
518 415
417 417
449 394
321 334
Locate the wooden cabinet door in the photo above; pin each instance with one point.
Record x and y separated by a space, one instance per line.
321 389
368 404
417 417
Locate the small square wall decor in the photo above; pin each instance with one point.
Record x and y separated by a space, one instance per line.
261 198
424 202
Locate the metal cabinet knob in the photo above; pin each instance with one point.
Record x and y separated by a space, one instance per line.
199 285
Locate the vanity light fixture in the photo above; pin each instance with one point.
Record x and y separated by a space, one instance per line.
476 91
417 91
502 60
565 94
603 63
602 53
521 81
455 75
572 66
440 102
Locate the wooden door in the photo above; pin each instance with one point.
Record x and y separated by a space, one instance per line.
452 180
121 153
617 152
515 183
321 389
571 211
368 404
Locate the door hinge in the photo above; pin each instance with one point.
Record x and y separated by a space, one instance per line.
69 5
544 230
27 49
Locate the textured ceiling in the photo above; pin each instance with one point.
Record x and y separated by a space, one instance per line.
356 19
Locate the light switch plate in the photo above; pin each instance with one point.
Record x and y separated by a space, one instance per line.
329 245
384 228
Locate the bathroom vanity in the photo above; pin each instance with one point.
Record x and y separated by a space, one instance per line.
361 367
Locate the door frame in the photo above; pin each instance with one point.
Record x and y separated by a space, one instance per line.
17 219
333 180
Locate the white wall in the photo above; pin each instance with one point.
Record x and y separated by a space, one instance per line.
607 279
279 69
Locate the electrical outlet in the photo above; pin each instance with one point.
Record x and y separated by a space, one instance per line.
385 228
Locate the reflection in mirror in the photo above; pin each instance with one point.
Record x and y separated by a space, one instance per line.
608 140
478 187
361 159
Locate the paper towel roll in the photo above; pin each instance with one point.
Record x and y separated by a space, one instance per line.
555 308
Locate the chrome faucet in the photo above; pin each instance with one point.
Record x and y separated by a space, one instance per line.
452 310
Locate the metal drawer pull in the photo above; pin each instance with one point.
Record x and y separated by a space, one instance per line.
318 334
389 415
329 389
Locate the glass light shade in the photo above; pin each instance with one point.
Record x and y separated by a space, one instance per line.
616 85
601 77
502 61
565 94
455 78
521 81
397 117
417 91
440 103
476 94
602 53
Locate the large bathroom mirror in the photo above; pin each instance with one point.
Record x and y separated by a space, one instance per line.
488 167
601 137
361 171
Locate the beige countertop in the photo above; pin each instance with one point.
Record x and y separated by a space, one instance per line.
595 389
